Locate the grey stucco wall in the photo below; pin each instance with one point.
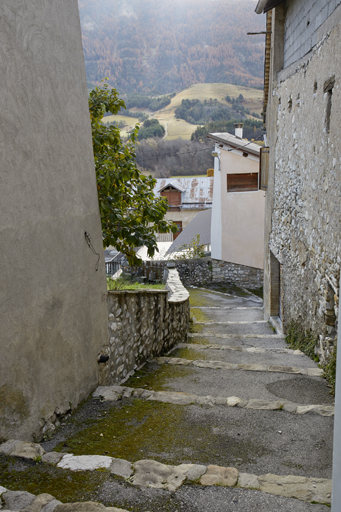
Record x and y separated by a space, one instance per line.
53 311
303 18
303 223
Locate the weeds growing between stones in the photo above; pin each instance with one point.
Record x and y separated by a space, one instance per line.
300 339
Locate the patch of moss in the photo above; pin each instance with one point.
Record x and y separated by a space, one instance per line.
300 339
189 353
138 429
156 377
199 341
199 316
229 289
65 485
127 283
197 298
257 291
195 327
329 371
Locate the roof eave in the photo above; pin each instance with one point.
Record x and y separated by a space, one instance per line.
260 6
232 145
264 6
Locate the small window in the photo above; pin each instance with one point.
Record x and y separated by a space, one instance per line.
328 91
242 182
173 196
179 226
264 168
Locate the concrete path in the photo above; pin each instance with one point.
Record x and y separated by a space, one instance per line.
231 420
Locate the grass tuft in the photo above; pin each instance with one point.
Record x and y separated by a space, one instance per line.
123 283
329 371
301 339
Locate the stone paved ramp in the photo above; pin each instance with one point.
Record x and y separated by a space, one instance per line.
231 420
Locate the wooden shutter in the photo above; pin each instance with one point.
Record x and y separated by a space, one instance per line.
173 196
264 168
242 182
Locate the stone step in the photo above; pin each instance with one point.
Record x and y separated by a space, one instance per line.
206 334
251 350
222 365
232 308
242 355
114 393
228 315
245 341
239 328
232 322
153 474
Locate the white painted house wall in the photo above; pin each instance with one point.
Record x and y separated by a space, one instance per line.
237 230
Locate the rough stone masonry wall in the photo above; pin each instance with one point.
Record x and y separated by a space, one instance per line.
204 271
306 219
142 324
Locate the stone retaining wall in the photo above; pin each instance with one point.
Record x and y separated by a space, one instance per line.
250 277
204 271
199 272
143 323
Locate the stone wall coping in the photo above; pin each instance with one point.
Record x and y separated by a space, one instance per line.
177 291
204 258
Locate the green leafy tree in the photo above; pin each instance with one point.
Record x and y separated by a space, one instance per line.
130 212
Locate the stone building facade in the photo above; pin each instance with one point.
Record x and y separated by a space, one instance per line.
302 107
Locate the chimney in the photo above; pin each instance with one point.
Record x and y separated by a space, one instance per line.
238 130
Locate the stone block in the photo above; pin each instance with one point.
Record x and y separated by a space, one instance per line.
17 500
87 506
192 472
150 473
232 401
39 503
217 475
27 450
52 458
8 447
263 405
85 462
51 505
121 467
302 488
248 481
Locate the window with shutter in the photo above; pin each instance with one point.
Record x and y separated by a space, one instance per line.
242 182
173 196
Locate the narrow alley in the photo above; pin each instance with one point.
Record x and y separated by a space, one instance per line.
233 420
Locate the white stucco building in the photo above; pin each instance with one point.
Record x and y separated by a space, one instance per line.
237 230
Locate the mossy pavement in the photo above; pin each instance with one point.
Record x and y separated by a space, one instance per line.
253 441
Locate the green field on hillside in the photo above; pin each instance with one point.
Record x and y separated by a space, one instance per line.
180 129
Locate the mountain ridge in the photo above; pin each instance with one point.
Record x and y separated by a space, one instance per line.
154 46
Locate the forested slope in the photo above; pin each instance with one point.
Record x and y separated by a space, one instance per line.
162 46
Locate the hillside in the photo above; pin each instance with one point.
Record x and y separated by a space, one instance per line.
161 46
179 128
